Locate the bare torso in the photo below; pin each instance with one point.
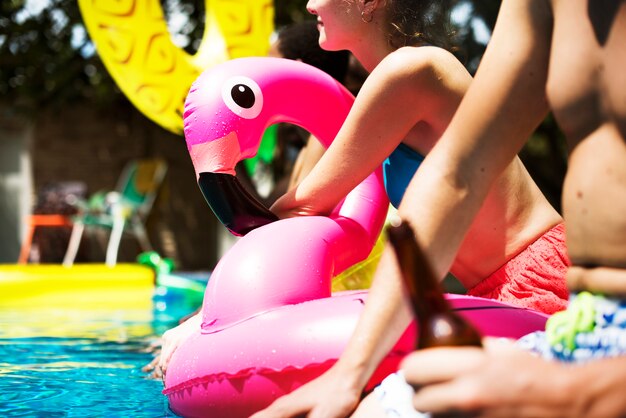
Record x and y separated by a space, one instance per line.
587 92
515 212
514 215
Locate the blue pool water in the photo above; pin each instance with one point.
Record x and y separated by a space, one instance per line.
56 377
57 362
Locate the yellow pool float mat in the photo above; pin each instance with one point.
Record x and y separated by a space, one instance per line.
133 41
82 301
94 286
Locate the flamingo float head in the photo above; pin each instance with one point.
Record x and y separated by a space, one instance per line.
229 107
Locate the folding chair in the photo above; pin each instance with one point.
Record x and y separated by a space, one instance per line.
54 209
124 210
36 221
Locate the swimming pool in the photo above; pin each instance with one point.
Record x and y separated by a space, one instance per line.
83 361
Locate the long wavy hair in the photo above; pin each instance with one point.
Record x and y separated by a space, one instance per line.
420 22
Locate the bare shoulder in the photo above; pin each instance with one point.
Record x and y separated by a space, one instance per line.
416 76
422 56
428 69
425 61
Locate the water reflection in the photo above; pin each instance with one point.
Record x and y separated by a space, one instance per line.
80 362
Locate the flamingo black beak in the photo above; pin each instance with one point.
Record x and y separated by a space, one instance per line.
233 205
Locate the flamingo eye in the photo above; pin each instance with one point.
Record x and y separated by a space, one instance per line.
243 96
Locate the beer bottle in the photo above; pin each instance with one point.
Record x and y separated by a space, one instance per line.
438 325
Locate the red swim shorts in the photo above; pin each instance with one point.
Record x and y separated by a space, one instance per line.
535 278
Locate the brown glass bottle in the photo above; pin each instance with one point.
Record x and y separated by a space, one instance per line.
438 324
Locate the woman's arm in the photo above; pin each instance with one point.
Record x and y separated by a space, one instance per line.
337 392
503 106
410 85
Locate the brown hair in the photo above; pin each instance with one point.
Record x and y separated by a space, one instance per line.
419 22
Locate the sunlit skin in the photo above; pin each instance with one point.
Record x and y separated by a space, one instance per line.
410 96
570 54
381 119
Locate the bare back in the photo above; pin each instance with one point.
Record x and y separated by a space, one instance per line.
587 92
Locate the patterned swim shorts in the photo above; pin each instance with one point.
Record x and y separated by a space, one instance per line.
592 327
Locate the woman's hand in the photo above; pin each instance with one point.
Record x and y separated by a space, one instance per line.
152 367
174 337
333 394
288 206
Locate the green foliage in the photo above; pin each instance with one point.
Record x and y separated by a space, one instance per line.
48 59
289 11
45 61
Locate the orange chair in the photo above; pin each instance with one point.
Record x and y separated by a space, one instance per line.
40 220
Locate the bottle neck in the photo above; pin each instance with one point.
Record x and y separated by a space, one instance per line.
431 303
438 324
423 286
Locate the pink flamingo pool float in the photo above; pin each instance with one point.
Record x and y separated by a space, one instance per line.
270 322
